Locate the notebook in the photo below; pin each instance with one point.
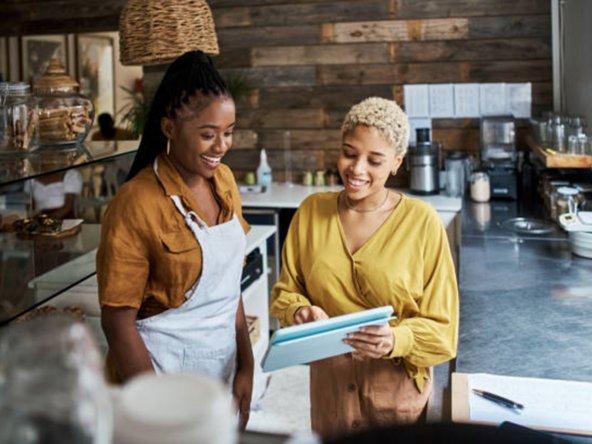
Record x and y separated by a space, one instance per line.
304 343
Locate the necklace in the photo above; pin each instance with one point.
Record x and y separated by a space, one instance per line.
370 210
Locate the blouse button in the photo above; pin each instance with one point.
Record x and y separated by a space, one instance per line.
351 387
355 424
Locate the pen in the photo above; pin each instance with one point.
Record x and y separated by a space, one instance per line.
500 400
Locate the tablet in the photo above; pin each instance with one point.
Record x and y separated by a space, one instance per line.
304 343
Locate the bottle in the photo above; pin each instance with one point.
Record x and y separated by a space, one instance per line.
263 170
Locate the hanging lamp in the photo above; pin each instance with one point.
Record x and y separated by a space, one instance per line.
158 31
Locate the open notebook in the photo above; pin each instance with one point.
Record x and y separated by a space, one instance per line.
304 343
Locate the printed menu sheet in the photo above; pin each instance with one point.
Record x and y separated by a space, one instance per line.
550 404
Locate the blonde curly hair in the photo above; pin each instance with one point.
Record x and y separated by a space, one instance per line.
384 115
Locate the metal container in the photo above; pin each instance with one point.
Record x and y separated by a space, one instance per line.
423 163
498 139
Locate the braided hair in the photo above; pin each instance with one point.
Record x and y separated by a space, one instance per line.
191 73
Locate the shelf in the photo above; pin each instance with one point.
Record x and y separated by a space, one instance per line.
16 167
553 159
34 271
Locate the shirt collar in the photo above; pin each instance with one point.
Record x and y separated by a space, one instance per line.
173 184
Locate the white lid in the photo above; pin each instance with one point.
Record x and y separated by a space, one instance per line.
567 191
180 408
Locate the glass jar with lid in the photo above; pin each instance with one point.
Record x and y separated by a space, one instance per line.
65 116
480 187
19 125
567 201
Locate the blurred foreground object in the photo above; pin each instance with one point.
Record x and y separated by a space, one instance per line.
52 388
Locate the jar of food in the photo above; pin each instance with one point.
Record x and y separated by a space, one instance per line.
567 201
65 116
19 126
480 189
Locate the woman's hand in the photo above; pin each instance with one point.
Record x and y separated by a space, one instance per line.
309 313
372 341
242 388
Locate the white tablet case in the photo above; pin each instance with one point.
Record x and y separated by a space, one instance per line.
304 343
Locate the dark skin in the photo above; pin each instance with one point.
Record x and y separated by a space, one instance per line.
200 135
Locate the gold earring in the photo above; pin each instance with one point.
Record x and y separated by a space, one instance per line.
168 147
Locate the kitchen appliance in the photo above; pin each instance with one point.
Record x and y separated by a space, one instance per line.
458 166
498 155
253 268
423 162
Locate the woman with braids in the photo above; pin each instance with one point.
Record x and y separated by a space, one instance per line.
173 241
365 247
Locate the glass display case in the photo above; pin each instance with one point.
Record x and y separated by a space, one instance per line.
51 204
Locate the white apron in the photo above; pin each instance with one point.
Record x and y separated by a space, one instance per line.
200 335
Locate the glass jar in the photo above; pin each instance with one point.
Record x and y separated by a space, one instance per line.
65 116
566 202
19 125
480 189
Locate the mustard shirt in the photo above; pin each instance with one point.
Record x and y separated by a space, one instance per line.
406 263
148 258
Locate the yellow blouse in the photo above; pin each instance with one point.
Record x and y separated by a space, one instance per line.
406 263
148 258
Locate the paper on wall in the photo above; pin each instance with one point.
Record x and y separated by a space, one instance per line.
492 99
466 100
417 102
441 100
519 99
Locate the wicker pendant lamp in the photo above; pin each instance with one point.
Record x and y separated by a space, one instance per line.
158 31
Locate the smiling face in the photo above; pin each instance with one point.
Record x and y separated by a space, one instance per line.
200 134
365 162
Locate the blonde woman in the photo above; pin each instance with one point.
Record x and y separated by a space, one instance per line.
364 247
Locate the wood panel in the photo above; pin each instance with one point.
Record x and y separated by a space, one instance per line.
396 30
393 73
295 14
305 139
512 71
469 50
244 139
282 118
322 54
510 27
237 38
280 76
318 96
59 16
453 8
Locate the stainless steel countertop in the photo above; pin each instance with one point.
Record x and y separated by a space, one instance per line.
525 301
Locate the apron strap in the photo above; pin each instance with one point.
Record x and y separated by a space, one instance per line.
191 217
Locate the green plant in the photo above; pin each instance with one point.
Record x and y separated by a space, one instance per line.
240 84
135 113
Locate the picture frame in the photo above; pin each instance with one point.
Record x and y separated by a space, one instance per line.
95 71
37 50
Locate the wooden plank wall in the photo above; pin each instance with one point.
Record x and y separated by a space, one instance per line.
312 59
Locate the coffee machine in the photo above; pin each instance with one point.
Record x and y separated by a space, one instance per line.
498 155
423 162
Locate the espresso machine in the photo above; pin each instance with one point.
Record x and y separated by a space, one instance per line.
423 163
498 155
